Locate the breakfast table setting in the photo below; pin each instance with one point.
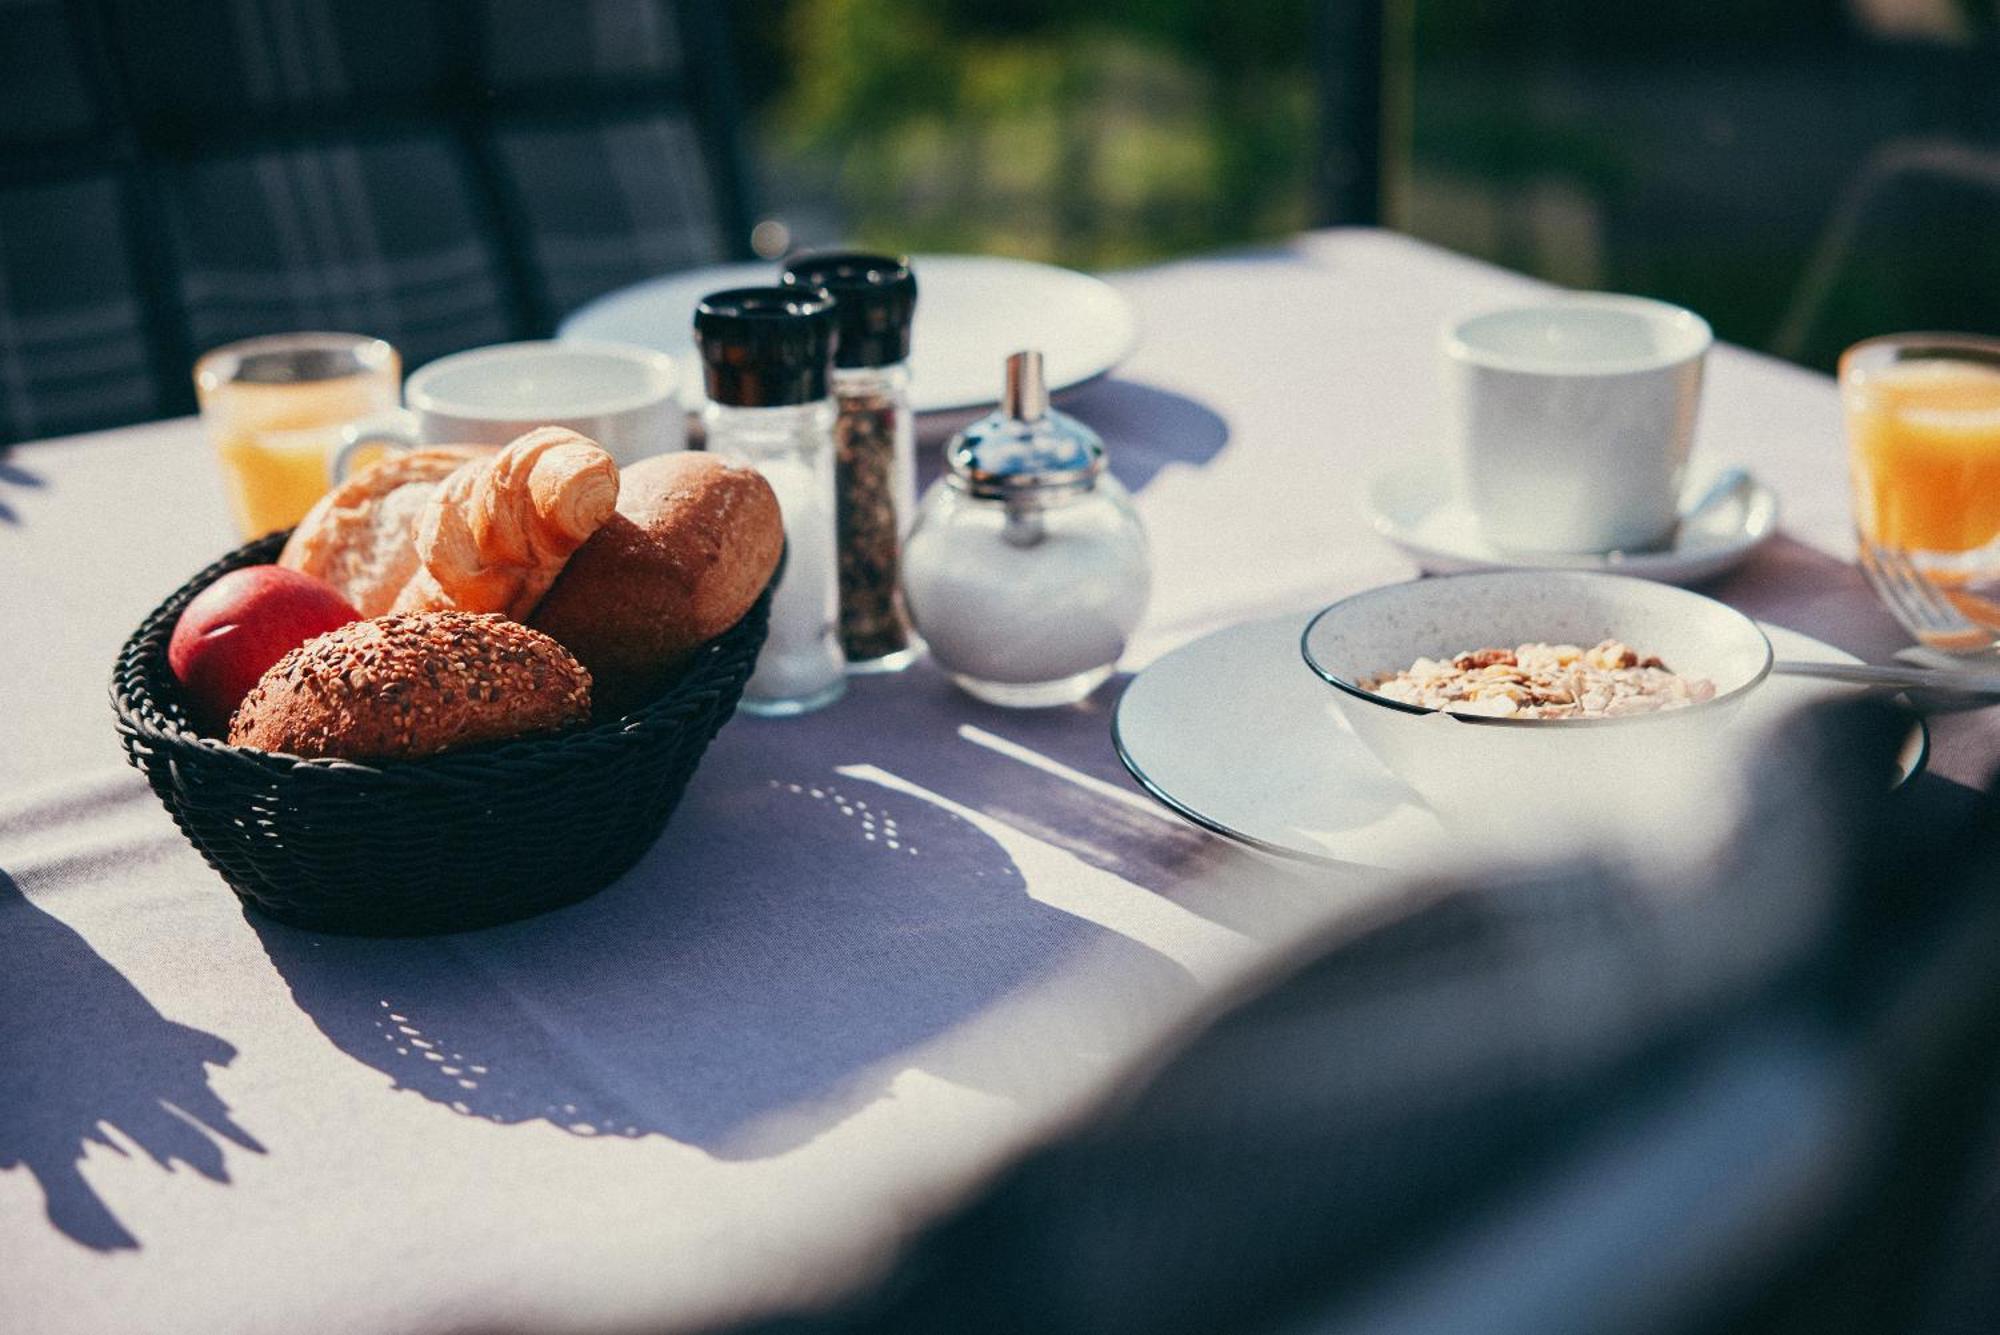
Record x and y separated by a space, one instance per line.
704 933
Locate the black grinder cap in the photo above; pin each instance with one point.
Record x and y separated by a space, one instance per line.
765 347
877 296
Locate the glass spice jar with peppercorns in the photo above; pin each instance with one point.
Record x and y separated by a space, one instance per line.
875 299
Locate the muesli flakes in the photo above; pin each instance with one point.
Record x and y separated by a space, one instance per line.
1544 681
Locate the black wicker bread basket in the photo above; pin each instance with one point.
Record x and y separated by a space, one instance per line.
444 844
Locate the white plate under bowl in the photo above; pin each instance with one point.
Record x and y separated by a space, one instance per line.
1417 506
1236 734
972 312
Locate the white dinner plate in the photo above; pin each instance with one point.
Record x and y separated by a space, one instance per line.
1235 733
1417 506
972 311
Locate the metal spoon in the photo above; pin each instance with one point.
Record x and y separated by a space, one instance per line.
1983 685
1729 485
1944 701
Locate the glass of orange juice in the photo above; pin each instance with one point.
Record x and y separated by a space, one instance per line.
274 408
1923 432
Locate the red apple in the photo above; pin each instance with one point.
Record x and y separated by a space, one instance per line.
238 626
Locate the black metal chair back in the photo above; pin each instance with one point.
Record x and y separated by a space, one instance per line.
441 173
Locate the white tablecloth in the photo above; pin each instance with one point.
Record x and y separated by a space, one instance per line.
780 1042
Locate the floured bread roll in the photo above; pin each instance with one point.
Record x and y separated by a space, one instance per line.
695 540
361 536
496 533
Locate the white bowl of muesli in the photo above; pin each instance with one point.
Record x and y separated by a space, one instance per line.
1560 679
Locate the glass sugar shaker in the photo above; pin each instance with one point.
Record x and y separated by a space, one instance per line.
875 471
1027 568
767 355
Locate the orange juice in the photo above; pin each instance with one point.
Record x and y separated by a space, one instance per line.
274 408
1925 442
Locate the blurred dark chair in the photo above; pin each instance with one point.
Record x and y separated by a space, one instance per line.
1696 152
1349 57
1760 1098
442 173
1909 245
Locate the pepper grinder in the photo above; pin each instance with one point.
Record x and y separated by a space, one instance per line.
1027 569
875 299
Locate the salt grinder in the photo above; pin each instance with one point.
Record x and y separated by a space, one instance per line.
767 355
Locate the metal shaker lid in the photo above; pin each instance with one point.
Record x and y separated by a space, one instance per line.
1024 445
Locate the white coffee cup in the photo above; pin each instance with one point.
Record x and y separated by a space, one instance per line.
1572 419
627 399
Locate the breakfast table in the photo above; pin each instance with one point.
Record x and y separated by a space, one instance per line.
880 948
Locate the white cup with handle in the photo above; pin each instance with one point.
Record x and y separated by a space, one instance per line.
1572 420
625 398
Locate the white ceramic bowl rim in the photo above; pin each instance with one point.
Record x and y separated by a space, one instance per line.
662 372
1749 627
1694 340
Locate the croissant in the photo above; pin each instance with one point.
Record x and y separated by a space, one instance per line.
496 533
361 536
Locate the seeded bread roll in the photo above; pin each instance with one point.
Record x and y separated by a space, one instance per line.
413 684
693 542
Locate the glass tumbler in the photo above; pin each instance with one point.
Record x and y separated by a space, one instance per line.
1923 434
274 408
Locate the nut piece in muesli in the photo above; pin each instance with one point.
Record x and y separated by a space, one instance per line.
1544 681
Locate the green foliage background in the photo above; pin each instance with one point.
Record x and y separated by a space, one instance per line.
1687 149
1090 134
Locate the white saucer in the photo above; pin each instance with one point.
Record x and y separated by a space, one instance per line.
1235 733
1416 506
972 311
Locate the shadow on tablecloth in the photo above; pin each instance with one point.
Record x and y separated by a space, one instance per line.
825 901
1146 428
83 1054
836 892
1800 588
13 475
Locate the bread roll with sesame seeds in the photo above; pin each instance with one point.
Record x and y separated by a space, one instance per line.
413 684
